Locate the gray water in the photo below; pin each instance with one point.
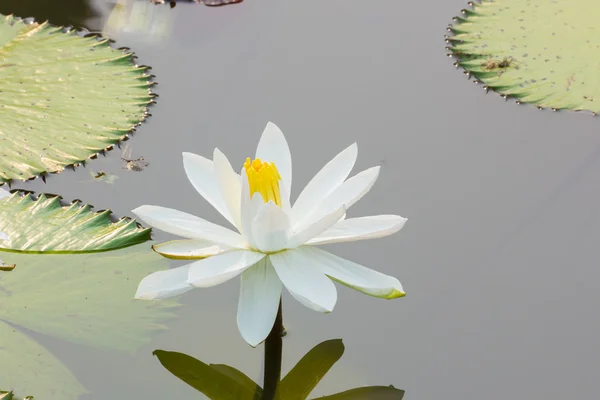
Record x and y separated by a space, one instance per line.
499 257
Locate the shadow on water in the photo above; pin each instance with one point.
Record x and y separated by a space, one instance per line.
65 12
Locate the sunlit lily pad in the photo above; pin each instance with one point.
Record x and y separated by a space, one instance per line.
542 52
44 225
63 97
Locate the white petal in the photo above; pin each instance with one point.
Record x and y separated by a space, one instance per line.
325 181
285 201
250 206
273 147
164 284
316 228
351 274
260 293
188 226
3 236
4 193
345 195
218 269
230 185
360 229
305 282
188 249
270 228
200 172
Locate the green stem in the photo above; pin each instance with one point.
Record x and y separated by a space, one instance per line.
273 352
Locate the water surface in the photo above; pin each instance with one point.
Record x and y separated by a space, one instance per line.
499 257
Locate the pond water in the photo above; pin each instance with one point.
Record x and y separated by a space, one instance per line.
499 257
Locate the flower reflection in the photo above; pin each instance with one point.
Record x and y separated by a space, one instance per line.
219 381
275 242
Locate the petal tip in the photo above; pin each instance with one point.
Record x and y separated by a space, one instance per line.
217 153
144 296
396 293
137 210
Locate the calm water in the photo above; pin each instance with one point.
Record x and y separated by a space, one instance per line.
499 257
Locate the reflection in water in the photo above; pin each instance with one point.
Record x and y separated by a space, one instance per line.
81 298
79 11
151 22
104 176
219 382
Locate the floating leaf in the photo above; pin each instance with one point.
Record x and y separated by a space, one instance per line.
28 367
45 225
309 371
85 298
63 98
4 395
208 380
369 392
542 52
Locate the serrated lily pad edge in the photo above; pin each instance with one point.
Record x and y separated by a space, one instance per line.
451 53
4 395
34 196
144 70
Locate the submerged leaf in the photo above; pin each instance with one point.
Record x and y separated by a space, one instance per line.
542 52
28 367
309 371
63 97
369 392
85 298
239 377
44 225
213 382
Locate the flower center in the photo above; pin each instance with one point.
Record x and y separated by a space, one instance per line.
263 178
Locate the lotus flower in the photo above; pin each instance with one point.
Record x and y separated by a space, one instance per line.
274 244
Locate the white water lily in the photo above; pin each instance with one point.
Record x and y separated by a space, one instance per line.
275 243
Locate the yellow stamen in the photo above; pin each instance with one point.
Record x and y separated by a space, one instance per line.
263 178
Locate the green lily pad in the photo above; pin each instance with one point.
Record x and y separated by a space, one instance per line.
85 298
28 367
63 97
44 225
542 52
4 395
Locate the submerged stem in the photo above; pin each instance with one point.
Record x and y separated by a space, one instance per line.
273 352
